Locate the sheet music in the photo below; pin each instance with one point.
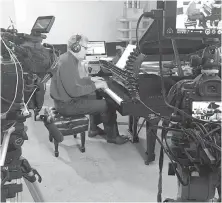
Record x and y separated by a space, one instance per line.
122 61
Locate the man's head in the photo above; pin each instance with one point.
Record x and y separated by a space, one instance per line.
77 44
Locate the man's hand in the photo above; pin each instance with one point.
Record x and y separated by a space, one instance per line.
101 84
97 79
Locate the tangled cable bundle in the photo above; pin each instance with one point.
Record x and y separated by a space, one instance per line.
200 144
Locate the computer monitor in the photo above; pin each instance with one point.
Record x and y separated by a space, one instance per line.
96 50
192 19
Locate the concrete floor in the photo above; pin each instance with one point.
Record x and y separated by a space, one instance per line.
105 172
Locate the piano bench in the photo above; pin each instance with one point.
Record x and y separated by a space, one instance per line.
70 125
190 23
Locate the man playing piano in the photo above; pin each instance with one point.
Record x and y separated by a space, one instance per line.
194 13
76 95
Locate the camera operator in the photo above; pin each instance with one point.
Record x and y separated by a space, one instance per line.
74 95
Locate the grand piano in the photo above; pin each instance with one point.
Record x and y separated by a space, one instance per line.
148 87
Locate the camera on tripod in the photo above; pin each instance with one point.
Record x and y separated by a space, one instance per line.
191 136
196 145
26 66
196 150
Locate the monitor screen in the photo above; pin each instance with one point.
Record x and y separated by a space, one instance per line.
207 110
193 18
43 24
96 48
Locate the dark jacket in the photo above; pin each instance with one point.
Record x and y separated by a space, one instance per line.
66 83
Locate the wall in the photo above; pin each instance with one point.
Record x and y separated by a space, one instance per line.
148 5
6 10
96 19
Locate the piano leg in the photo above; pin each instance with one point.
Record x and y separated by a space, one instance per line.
133 122
150 144
130 124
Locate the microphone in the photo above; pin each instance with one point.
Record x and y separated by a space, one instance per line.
54 132
51 127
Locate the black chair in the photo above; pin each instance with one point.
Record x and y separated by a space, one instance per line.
70 125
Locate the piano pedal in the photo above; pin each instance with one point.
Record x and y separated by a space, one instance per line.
133 139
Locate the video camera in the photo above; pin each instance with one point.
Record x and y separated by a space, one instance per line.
195 141
26 66
196 149
191 136
30 63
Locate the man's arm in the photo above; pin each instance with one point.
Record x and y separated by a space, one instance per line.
86 80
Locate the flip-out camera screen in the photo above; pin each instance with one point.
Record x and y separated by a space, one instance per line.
193 18
43 24
210 111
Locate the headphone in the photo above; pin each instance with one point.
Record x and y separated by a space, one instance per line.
76 47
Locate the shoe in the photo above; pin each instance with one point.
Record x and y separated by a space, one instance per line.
119 140
98 131
113 135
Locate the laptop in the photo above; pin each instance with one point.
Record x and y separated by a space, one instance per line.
96 50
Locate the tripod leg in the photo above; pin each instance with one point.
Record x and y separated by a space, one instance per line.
4 145
34 191
19 195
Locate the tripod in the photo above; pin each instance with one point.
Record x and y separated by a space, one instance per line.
14 167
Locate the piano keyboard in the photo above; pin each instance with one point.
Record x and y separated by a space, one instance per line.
113 95
129 75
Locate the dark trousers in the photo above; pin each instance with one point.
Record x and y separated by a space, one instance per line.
100 111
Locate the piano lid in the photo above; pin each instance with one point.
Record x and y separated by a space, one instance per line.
149 42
